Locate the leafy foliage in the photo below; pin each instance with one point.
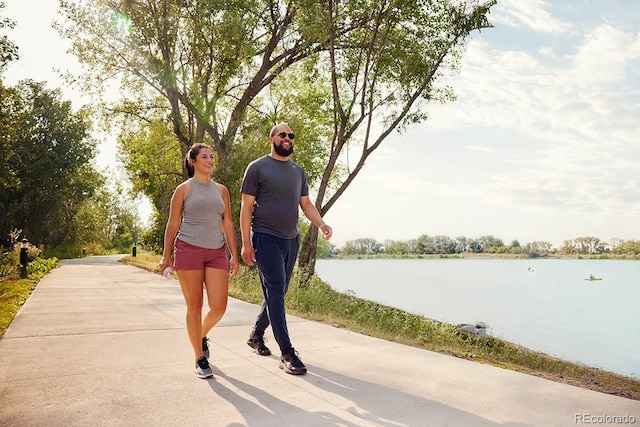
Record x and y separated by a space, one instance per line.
39 267
8 49
343 73
47 152
443 245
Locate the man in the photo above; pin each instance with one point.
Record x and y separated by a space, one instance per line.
272 189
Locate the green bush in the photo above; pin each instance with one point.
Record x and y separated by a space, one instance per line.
9 262
33 252
40 267
36 266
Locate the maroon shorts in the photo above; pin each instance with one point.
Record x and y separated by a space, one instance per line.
189 257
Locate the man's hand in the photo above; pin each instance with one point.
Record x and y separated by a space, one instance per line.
327 232
248 254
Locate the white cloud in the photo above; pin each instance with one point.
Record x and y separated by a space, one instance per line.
531 14
605 56
547 139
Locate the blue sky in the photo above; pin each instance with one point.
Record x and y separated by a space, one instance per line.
543 142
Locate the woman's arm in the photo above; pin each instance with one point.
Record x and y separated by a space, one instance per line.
173 223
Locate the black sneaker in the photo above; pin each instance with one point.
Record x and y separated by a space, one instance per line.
203 370
291 363
205 347
257 343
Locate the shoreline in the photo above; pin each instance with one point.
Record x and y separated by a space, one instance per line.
600 257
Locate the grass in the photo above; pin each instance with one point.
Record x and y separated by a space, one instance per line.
318 302
13 294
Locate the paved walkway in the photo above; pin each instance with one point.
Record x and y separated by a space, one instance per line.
100 343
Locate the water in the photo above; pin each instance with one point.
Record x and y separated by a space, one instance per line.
551 309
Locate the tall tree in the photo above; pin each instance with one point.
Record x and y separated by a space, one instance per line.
203 62
8 53
202 67
382 76
49 153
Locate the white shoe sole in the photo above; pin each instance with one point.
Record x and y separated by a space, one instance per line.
203 374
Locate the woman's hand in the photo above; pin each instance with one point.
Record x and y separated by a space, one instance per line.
164 263
234 266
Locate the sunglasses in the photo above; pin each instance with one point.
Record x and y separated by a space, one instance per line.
284 135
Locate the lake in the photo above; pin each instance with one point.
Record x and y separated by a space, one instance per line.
542 304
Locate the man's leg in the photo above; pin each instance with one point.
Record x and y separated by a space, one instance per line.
290 256
262 321
270 257
256 337
289 360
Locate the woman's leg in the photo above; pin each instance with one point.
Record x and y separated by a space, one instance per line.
191 284
216 282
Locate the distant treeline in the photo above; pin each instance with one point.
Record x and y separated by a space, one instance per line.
443 245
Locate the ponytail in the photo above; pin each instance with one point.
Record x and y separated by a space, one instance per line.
187 164
193 152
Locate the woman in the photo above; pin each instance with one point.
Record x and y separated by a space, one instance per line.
198 227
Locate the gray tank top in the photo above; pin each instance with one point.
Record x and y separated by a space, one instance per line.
202 216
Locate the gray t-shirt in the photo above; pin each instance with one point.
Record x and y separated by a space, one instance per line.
277 186
202 216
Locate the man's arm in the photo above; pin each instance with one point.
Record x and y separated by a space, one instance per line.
309 210
246 212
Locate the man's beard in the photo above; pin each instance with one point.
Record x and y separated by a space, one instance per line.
281 151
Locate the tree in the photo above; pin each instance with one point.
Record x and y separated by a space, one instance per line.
8 49
394 247
201 65
362 246
382 74
194 71
203 69
47 152
8 53
584 246
108 220
538 248
628 247
492 244
444 245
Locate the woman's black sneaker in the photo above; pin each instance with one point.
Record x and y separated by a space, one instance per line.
203 370
291 363
257 343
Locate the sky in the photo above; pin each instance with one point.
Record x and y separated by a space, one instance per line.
542 143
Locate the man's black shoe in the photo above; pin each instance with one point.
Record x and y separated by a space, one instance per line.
257 343
291 363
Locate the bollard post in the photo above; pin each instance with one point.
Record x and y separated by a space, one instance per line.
24 257
133 251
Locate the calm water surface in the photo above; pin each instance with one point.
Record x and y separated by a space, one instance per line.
551 309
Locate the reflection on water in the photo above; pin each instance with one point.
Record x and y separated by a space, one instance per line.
544 305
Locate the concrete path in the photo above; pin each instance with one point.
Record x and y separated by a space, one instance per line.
100 343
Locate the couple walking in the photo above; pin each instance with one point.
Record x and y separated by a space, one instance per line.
201 234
